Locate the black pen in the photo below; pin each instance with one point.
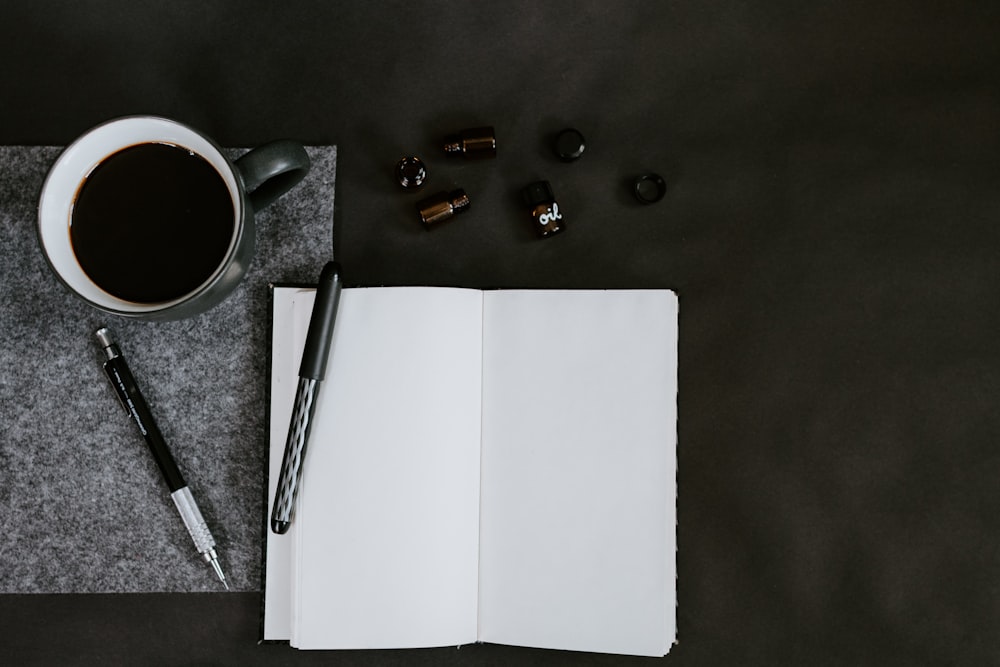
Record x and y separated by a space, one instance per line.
135 405
311 373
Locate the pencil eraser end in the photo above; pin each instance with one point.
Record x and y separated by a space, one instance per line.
280 527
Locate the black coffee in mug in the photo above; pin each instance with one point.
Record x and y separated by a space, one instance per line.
152 222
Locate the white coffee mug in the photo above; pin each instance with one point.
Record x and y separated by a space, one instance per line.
253 181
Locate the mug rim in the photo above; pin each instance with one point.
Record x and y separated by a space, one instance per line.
54 234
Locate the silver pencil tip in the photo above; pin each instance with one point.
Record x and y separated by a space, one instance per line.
213 559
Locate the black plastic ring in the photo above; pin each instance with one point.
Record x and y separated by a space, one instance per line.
650 188
411 172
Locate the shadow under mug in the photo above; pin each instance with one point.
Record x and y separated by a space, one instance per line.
253 181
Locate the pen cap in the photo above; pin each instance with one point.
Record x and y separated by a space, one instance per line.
324 315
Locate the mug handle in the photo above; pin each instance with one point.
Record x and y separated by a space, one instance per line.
271 170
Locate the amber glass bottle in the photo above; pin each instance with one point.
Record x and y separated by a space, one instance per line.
545 213
476 142
442 207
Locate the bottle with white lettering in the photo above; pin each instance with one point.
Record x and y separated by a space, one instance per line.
545 213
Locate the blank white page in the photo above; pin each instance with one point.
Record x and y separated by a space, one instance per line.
386 526
286 354
577 525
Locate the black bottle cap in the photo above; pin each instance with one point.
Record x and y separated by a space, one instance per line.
569 145
410 172
539 192
649 188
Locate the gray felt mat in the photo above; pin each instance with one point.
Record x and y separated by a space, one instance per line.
82 505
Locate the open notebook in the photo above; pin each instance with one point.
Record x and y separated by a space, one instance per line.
490 466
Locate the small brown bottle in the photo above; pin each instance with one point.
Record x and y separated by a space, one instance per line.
545 211
476 142
441 207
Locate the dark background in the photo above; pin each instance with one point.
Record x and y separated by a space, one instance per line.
830 227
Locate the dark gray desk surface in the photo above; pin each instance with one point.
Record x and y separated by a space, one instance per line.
831 228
